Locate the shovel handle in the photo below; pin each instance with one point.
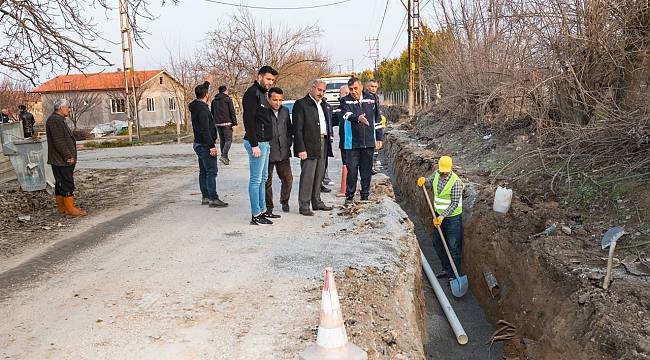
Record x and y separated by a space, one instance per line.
608 276
442 237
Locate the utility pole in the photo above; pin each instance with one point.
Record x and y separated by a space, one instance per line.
129 72
350 67
411 65
340 68
417 31
373 52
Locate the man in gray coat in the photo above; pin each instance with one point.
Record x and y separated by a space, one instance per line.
280 152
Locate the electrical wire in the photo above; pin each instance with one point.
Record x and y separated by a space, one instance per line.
397 37
382 19
278 8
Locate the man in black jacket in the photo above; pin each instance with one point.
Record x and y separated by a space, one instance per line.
363 133
205 135
28 121
4 116
312 134
259 131
280 151
223 112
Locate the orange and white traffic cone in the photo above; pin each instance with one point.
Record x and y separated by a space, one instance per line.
344 177
332 339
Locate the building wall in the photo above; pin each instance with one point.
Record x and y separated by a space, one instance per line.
101 113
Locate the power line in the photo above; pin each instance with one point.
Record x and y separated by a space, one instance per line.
278 8
382 18
397 37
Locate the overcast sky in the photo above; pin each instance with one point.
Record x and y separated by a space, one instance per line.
345 28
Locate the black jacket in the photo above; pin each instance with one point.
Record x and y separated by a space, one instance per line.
223 110
306 127
282 135
205 132
61 145
356 134
257 122
28 122
4 119
337 120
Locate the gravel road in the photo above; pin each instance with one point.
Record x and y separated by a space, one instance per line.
167 278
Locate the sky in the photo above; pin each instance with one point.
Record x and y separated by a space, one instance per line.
345 28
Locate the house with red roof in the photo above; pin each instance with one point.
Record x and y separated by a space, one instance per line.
99 98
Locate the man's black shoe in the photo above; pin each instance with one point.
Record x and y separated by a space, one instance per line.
225 160
323 207
306 212
441 274
349 200
217 203
285 208
205 201
325 189
261 220
364 199
270 215
374 171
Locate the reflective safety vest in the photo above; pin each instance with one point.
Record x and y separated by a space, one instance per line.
442 200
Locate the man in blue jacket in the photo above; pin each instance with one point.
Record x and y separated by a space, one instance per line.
363 133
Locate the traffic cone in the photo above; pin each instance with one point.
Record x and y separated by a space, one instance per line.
344 177
332 339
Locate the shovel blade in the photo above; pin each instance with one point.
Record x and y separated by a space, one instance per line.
459 286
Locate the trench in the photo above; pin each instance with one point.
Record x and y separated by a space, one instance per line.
533 288
440 342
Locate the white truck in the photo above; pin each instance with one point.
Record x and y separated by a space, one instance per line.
333 83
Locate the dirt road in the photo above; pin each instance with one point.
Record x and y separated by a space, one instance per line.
165 277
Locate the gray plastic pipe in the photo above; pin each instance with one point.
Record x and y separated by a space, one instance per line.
461 336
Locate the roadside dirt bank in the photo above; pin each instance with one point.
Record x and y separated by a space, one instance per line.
549 286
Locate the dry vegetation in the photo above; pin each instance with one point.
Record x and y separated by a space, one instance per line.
574 71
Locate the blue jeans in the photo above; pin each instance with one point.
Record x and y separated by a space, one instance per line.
259 173
207 171
452 229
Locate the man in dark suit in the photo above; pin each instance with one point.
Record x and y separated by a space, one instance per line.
311 117
223 112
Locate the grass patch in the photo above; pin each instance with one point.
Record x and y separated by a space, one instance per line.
109 144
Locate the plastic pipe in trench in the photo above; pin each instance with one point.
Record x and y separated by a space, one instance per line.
461 336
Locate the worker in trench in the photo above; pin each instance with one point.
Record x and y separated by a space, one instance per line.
447 189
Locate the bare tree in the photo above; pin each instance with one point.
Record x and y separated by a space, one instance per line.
188 72
238 48
41 34
82 103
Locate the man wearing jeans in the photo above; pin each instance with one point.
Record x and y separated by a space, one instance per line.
447 189
205 135
223 112
258 128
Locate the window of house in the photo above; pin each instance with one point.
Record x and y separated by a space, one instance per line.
117 106
151 105
172 104
160 80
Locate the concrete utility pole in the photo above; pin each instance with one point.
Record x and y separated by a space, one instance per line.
129 72
417 31
350 67
373 52
411 65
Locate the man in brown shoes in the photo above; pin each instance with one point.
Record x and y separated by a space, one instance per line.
62 156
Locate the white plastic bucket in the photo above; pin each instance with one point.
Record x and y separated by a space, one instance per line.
502 200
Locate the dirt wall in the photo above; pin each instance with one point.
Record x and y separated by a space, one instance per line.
548 285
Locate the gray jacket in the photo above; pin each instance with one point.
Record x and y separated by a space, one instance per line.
282 135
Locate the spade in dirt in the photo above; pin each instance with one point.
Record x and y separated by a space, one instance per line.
609 241
459 285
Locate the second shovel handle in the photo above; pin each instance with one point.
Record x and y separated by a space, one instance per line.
608 276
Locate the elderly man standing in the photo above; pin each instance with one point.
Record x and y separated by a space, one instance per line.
311 117
4 116
62 156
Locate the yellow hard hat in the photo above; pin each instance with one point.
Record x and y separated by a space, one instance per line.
444 164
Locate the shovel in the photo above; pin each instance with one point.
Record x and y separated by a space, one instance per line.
609 240
459 285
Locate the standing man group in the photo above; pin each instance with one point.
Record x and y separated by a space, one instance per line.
312 117
225 118
363 134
